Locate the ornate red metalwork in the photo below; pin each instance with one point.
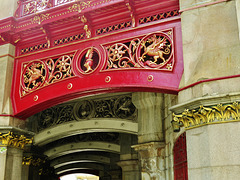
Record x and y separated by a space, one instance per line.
153 51
71 48
180 159
34 48
40 73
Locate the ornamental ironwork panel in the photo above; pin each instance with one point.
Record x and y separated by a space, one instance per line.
153 51
40 73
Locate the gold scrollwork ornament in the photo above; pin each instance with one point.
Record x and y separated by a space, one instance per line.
10 139
208 115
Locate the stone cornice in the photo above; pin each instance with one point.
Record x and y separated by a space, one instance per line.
15 130
206 101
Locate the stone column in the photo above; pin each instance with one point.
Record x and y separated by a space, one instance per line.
11 154
214 152
150 114
129 158
238 15
213 144
150 134
130 169
25 172
3 155
7 53
13 164
115 174
10 157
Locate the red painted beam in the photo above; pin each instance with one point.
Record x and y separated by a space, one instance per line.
100 80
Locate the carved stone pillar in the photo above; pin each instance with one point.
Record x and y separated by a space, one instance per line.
3 155
150 113
13 166
152 160
115 174
150 134
213 142
129 158
11 155
25 172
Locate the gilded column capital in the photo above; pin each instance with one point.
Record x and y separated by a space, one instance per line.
205 115
13 140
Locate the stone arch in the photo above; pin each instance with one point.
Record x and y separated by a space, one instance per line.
82 146
79 166
78 127
91 127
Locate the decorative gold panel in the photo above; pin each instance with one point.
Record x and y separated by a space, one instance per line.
10 139
207 115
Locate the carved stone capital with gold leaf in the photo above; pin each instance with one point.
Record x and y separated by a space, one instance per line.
205 115
13 140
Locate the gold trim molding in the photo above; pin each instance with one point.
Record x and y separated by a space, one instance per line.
12 140
221 113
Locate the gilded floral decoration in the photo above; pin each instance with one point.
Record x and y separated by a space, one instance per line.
220 113
13 140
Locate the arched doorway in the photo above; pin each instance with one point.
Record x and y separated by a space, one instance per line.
86 135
